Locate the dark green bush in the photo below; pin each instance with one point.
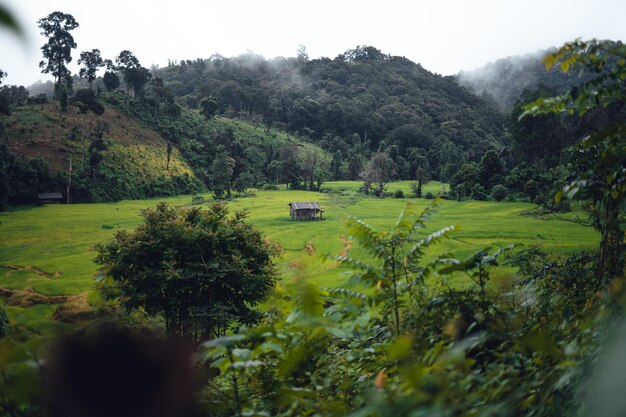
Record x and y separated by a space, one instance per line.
499 192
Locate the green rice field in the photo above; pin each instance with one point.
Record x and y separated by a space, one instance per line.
46 251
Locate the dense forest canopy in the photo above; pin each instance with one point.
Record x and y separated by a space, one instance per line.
385 100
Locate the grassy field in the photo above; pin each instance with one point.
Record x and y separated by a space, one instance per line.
46 258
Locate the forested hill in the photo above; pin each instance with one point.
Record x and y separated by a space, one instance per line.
504 80
385 100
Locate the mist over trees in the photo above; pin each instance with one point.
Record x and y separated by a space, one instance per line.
504 80
383 100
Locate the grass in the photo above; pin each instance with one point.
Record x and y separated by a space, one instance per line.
57 239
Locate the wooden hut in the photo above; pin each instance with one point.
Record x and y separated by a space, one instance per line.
47 198
305 210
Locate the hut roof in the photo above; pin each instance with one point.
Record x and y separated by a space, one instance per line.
310 205
49 196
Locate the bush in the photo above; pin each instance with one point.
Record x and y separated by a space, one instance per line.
429 195
86 101
499 192
270 187
398 194
197 200
478 193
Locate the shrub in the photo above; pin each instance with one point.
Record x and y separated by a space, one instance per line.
478 193
270 187
499 192
429 195
86 101
197 200
398 194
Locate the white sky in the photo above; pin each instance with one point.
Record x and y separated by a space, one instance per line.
445 36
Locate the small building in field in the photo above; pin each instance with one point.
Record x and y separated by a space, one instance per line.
305 210
47 198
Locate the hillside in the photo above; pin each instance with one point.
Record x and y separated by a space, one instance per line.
504 80
123 154
42 131
362 94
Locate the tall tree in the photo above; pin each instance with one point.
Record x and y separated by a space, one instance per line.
92 62
135 76
491 169
58 50
222 172
422 174
111 80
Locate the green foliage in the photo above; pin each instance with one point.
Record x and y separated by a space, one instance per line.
58 49
208 106
479 193
378 171
472 351
92 62
21 179
111 81
8 21
599 177
201 270
499 192
135 76
85 99
349 107
398 253
491 171
464 180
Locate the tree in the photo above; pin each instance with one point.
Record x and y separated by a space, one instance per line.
92 62
499 192
135 76
464 180
314 167
378 170
87 101
201 270
290 164
422 174
5 102
491 169
243 182
97 145
58 50
111 80
222 172
208 106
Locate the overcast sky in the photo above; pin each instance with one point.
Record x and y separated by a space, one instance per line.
445 36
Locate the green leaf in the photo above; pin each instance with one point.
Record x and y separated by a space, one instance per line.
401 347
549 61
558 197
539 340
8 21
